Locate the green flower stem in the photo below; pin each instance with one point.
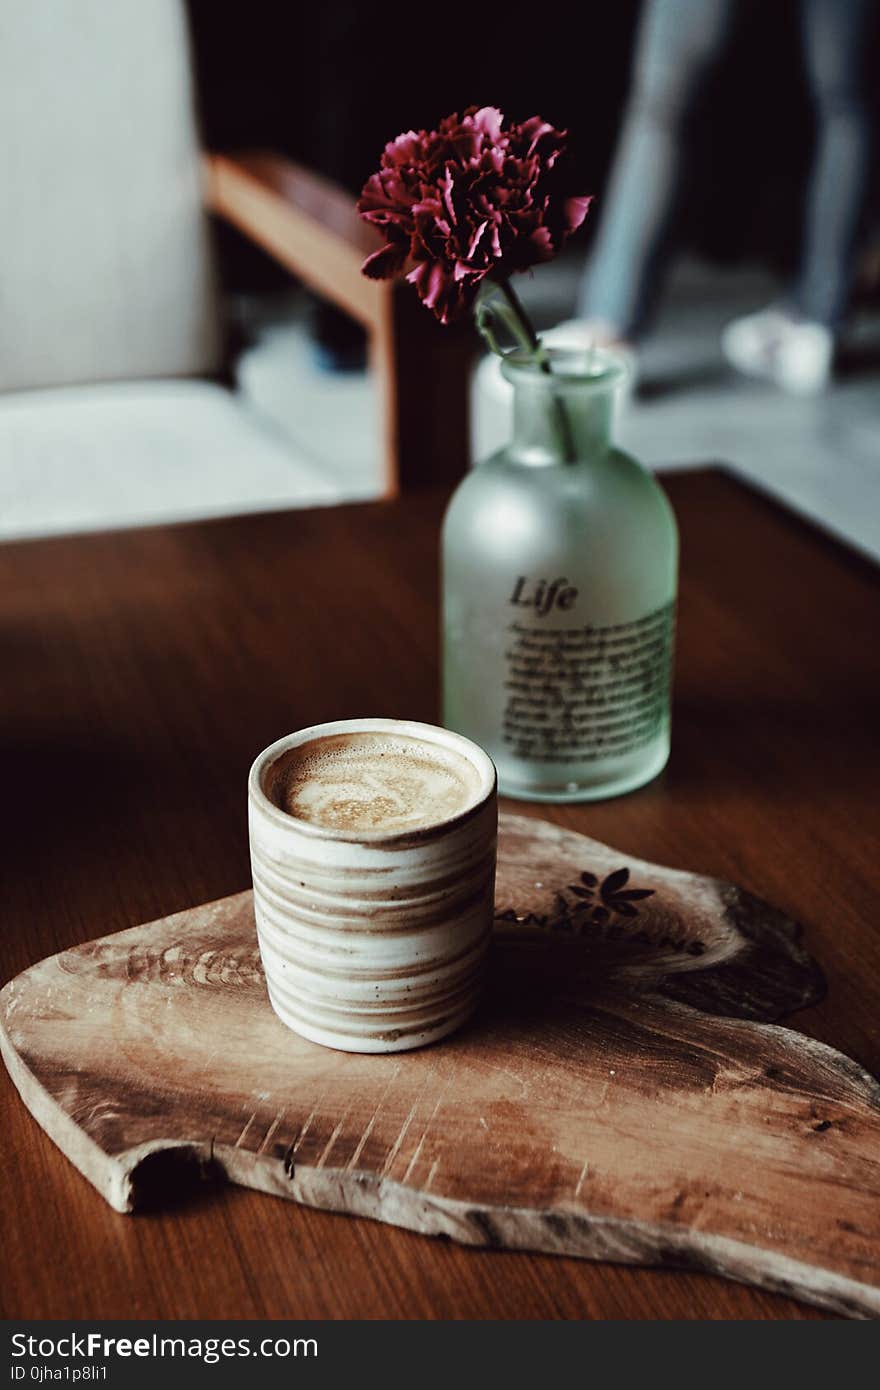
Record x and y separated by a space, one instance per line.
539 353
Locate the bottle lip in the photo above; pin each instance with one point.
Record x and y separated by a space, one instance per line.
587 368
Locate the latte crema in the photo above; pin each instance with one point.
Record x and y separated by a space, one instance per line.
372 781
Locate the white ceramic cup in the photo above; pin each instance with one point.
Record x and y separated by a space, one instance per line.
374 940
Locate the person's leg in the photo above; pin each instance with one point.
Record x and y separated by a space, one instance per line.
793 345
834 36
677 42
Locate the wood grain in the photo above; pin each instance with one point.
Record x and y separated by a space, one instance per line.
142 672
582 1111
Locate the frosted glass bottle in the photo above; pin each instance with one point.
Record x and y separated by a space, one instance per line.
560 558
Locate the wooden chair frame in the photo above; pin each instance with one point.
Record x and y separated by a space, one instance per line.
311 226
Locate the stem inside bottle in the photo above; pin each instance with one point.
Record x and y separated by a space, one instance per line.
583 390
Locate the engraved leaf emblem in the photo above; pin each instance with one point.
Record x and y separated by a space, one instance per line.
576 907
584 889
614 882
619 898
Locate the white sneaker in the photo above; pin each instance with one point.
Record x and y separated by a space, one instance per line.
794 354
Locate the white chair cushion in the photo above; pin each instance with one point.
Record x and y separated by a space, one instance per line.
96 457
331 417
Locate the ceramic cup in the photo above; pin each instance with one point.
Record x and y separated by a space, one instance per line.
374 940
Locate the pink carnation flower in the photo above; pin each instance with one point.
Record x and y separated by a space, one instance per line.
474 198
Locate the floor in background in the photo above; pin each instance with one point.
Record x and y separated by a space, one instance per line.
821 456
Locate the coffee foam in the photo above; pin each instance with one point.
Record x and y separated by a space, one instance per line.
372 781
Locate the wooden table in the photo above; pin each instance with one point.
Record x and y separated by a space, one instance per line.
142 672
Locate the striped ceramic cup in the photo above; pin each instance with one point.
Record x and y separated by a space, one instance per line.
373 856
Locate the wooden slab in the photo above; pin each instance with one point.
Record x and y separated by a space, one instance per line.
621 1095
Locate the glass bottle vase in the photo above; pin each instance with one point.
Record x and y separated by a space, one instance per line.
560 557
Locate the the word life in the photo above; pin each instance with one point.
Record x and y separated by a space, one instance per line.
543 595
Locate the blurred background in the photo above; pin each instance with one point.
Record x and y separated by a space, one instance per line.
739 96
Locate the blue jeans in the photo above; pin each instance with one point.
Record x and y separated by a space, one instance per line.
677 44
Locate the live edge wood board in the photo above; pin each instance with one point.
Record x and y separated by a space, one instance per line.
624 1093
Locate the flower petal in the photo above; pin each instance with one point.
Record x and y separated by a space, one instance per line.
385 262
575 210
478 195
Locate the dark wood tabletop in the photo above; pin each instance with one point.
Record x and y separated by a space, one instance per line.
143 670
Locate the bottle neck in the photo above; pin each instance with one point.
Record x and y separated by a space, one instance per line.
563 416
561 426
